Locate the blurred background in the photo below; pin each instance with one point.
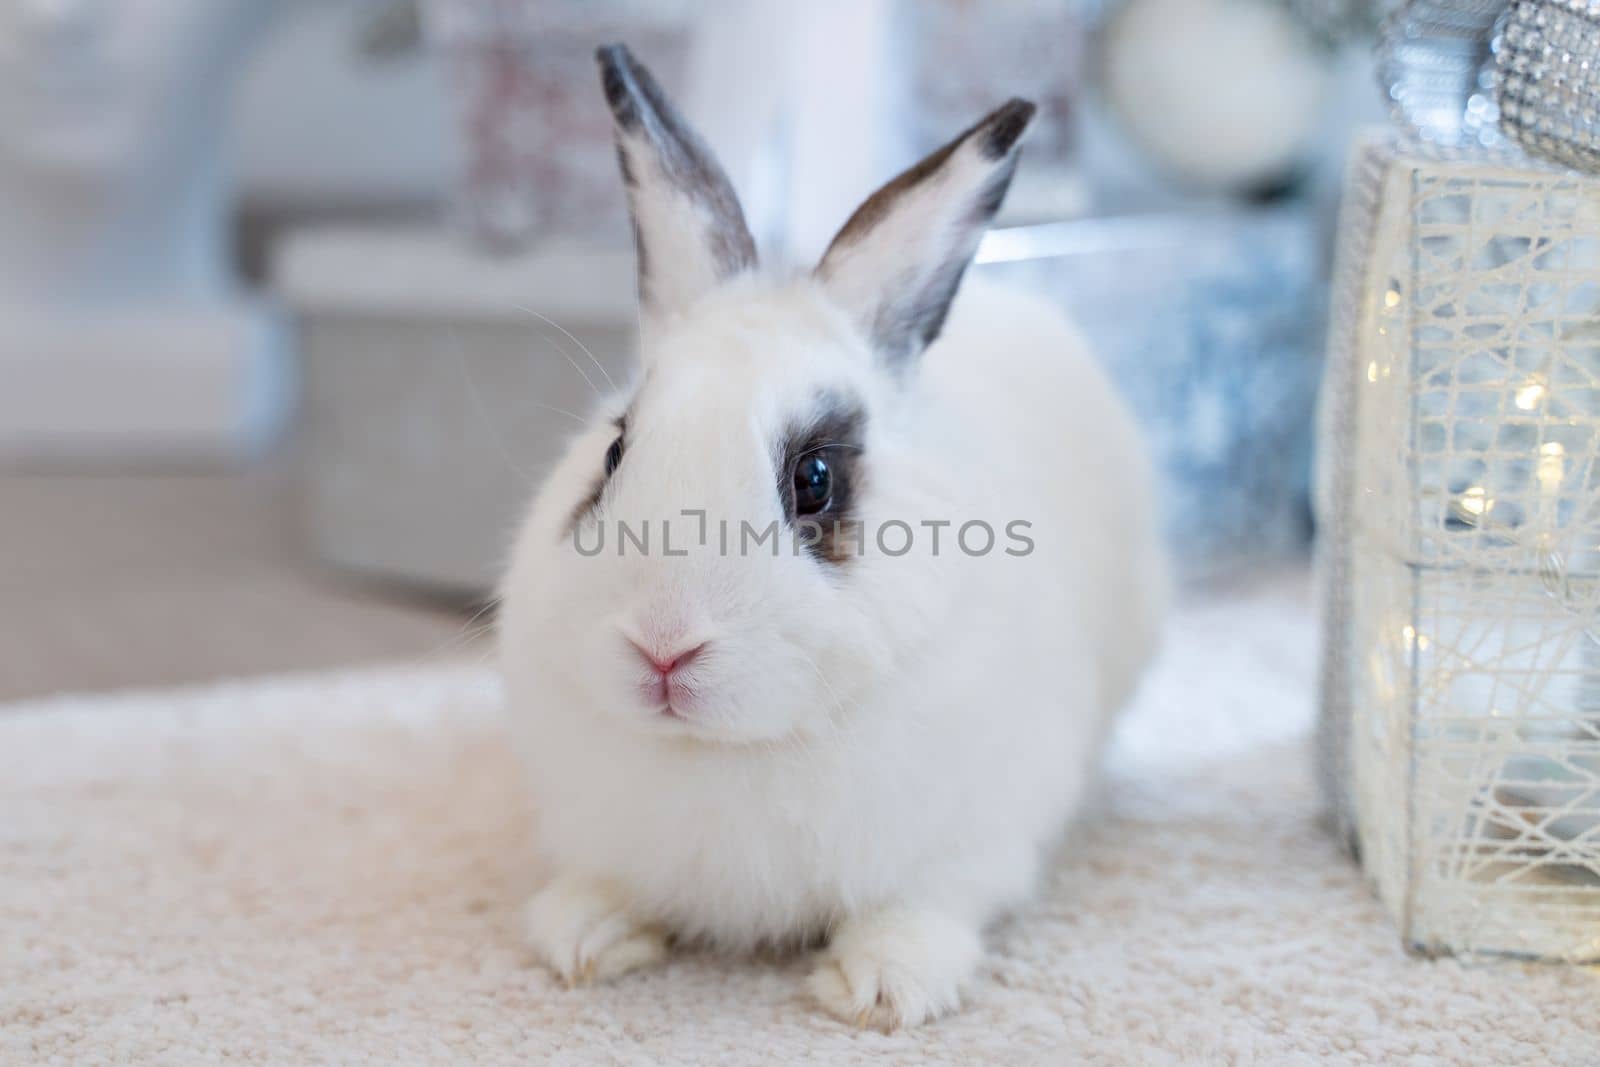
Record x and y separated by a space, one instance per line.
297 298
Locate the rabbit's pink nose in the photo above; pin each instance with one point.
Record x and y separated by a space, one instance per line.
664 663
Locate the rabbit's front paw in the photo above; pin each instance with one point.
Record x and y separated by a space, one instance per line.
896 967
582 931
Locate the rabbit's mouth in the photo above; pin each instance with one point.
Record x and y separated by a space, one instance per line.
675 697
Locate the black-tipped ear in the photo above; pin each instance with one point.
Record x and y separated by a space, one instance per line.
689 231
897 263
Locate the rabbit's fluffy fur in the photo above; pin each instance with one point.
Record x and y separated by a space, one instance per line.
870 748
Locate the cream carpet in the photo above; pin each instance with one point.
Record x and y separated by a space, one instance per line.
324 870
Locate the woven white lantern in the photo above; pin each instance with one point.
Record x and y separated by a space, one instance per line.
1462 483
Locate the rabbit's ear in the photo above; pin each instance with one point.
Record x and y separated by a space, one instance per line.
897 263
688 229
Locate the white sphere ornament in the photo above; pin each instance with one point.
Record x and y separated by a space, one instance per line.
1224 95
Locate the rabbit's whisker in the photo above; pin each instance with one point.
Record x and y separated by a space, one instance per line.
583 347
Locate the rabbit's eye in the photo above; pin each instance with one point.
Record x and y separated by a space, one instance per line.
822 474
813 484
613 456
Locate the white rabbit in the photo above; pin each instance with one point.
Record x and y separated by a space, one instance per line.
780 703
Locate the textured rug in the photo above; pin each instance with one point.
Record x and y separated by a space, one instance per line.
325 871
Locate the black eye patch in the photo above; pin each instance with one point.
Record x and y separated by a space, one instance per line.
608 467
819 472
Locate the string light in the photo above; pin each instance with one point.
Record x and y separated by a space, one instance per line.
1529 396
1552 467
1475 501
1415 640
